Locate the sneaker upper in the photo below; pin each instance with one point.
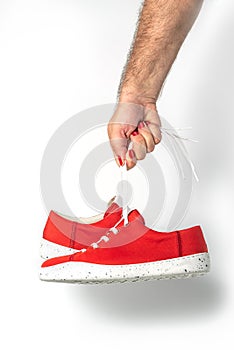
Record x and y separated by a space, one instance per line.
136 243
70 232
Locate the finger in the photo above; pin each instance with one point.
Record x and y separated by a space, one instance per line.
147 135
153 122
119 143
155 131
130 159
138 145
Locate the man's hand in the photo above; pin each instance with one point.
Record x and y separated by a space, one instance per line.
137 124
162 27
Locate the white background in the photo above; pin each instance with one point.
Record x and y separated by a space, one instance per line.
58 57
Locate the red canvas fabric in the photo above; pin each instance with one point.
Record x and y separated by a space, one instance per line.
139 245
76 235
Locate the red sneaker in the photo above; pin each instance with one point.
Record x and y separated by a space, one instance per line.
133 252
64 235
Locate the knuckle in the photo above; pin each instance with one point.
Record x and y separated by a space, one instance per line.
109 129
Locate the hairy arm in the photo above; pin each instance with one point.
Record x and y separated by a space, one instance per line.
162 27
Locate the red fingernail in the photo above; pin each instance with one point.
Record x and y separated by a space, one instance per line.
131 154
134 133
120 161
141 125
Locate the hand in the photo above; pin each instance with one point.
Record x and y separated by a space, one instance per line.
137 124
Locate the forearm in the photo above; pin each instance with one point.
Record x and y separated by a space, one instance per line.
162 28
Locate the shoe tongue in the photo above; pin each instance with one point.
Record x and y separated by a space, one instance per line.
112 209
135 215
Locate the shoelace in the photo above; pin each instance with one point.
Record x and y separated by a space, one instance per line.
121 198
176 138
125 208
124 217
104 238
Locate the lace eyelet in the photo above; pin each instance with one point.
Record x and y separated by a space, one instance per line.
114 230
94 245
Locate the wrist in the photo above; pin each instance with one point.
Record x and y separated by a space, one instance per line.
137 97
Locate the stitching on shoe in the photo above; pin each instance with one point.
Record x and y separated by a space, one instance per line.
73 235
179 244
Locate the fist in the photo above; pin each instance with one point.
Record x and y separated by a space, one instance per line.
136 124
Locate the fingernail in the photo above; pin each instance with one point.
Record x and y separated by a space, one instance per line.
134 133
120 161
141 125
156 141
131 154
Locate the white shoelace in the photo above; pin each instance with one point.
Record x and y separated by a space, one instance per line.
121 199
176 138
125 208
106 238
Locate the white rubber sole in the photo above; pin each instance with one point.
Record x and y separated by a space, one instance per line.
50 250
83 272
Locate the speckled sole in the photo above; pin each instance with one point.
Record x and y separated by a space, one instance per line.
50 250
83 273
